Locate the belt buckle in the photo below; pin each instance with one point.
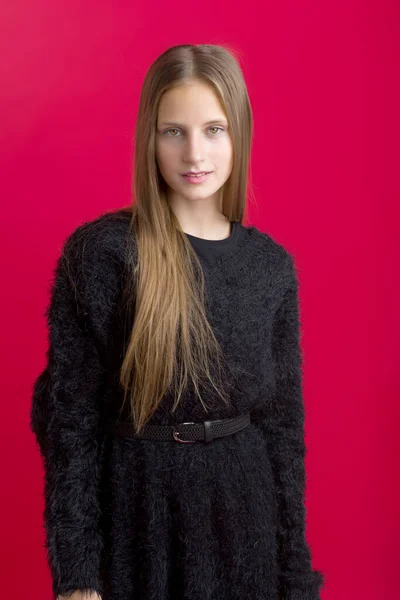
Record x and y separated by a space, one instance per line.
175 434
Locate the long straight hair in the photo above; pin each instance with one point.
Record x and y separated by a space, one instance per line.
172 342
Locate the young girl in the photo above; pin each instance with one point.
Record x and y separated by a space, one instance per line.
170 414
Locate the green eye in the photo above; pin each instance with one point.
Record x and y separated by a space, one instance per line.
175 129
219 128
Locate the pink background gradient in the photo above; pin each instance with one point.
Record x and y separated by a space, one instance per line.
323 79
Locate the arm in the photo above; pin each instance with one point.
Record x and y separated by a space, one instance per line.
65 420
284 432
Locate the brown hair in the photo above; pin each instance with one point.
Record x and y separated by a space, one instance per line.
171 340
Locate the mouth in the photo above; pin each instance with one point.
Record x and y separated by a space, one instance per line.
195 172
196 177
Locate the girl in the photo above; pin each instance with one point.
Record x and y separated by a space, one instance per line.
170 414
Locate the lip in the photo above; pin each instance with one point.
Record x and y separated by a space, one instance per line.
195 172
197 179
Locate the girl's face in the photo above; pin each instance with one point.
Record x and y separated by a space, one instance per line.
192 135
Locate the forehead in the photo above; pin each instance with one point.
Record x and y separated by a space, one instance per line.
190 103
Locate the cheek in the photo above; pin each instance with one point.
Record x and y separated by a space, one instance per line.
223 156
223 148
165 157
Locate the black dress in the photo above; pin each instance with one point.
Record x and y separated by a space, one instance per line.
148 520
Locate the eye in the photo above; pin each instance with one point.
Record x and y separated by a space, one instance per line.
213 135
168 130
219 128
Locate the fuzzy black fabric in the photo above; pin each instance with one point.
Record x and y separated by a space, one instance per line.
142 519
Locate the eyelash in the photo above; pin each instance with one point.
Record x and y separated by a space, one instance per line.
176 129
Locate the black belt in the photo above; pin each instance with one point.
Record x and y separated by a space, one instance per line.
185 433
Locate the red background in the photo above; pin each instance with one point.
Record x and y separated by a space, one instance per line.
323 79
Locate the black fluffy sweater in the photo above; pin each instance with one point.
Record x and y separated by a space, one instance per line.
149 520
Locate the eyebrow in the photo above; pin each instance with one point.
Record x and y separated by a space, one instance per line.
175 124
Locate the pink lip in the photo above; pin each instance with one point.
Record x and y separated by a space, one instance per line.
194 172
198 179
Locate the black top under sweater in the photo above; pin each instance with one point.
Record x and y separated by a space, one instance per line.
209 250
149 520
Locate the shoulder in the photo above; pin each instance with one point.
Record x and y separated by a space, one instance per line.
105 235
93 255
97 245
278 261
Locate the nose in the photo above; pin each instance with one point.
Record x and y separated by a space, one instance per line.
194 149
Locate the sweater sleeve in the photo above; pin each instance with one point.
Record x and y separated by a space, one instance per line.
65 420
284 429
